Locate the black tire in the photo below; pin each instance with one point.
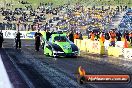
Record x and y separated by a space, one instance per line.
47 54
42 46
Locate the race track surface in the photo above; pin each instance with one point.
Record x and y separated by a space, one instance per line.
49 72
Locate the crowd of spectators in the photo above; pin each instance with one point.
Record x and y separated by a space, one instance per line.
112 35
45 14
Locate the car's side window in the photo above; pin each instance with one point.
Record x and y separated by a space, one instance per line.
56 38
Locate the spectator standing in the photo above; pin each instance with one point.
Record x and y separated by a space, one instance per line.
130 35
112 38
46 26
37 40
76 35
18 40
107 37
88 33
48 34
118 36
29 27
126 35
102 37
92 35
71 36
1 39
80 36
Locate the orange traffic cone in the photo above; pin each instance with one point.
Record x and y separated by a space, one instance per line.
125 43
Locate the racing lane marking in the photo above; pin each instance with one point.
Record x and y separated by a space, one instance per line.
25 78
4 78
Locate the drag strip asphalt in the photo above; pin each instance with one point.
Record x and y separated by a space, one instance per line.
48 72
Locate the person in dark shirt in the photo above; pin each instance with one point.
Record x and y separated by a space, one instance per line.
118 36
71 37
1 39
80 36
126 35
37 40
130 35
18 40
107 37
48 34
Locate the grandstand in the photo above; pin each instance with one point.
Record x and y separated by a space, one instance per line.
126 22
101 17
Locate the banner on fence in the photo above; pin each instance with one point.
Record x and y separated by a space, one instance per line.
10 34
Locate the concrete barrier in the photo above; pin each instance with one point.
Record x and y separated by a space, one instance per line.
128 53
115 51
85 37
78 43
87 45
129 45
75 42
106 44
95 47
121 44
83 45
98 47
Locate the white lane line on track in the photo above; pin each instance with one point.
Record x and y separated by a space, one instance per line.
30 85
4 78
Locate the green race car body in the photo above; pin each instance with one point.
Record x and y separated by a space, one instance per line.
59 45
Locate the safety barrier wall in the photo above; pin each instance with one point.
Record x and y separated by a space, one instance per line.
10 34
115 51
106 45
97 47
129 45
90 46
128 53
121 44
83 45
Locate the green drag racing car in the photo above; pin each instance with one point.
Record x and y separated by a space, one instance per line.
58 45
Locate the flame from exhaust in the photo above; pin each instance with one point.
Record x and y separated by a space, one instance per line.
81 71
